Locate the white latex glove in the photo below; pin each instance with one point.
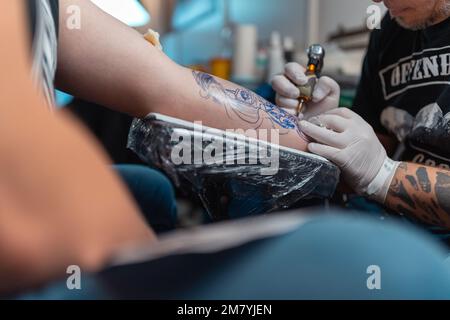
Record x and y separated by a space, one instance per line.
326 94
344 138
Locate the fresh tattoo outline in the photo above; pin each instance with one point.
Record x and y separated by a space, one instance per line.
246 105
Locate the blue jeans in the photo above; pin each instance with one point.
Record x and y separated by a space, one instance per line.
153 193
326 258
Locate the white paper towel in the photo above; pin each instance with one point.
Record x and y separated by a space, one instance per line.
244 53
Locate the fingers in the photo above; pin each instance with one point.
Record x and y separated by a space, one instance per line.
325 97
285 88
343 112
321 135
288 92
321 91
289 104
326 87
296 73
327 152
330 121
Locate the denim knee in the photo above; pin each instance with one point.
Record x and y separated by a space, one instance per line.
154 194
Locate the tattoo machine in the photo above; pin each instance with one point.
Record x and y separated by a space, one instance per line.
316 56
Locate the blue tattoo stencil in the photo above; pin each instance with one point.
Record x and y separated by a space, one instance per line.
246 105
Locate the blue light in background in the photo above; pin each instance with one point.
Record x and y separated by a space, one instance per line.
191 17
189 12
62 99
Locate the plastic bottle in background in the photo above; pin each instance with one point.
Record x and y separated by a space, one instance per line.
244 53
289 49
276 56
220 65
262 63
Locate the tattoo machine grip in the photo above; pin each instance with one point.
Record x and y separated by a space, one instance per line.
316 57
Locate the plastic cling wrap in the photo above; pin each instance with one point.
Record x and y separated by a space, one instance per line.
234 176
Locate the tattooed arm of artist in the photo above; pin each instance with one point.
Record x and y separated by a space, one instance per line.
421 192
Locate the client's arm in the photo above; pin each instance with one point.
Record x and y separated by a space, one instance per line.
111 64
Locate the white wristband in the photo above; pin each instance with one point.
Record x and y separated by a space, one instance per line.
378 188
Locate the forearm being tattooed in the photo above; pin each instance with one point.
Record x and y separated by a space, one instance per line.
421 192
234 107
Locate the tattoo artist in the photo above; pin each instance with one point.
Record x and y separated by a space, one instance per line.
402 103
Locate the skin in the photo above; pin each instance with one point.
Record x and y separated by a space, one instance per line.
421 192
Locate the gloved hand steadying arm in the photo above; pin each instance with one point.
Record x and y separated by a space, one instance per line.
325 96
344 138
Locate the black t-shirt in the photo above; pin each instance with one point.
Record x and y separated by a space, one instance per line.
405 90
